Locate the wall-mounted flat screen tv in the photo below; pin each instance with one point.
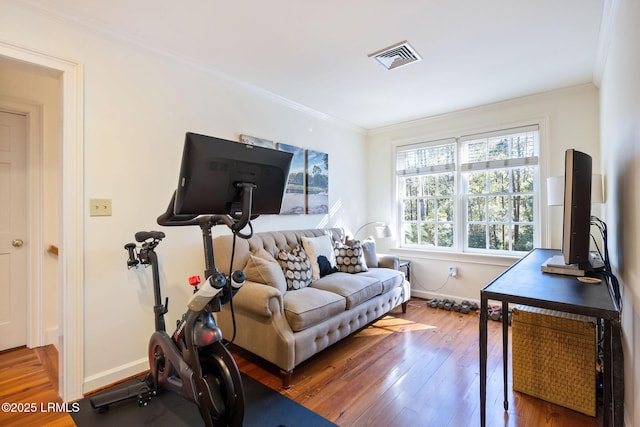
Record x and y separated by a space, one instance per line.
576 227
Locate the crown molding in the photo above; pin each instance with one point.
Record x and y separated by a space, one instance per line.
609 12
497 105
145 45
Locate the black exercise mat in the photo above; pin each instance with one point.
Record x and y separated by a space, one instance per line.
263 408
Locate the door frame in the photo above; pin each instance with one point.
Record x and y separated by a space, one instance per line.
34 209
71 254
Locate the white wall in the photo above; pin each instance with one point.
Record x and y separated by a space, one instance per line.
137 107
571 121
620 135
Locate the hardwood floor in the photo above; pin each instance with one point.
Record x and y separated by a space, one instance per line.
28 388
420 368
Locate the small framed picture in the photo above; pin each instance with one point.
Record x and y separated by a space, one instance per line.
293 202
252 140
317 188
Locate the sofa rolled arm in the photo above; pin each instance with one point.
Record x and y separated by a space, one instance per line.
389 261
260 299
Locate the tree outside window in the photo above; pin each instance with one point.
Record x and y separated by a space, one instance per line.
473 194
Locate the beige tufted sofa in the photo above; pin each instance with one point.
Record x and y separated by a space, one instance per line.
286 327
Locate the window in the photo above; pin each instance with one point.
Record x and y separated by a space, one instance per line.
427 190
476 193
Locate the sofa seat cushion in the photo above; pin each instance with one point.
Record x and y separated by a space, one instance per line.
388 278
307 307
355 288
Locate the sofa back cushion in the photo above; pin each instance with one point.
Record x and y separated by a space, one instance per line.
369 252
270 241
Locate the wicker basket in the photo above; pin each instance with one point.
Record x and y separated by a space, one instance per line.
554 357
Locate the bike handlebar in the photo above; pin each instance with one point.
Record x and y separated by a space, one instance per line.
170 219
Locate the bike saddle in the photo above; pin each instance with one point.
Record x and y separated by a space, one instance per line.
141 236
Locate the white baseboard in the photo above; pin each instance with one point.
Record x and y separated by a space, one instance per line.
52 337
429 295
111 376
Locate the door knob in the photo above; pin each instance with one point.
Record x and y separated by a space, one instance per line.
17 243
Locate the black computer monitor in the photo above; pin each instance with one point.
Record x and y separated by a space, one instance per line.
212 168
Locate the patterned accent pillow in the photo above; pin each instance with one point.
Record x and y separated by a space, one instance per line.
315 247
349 258
296 268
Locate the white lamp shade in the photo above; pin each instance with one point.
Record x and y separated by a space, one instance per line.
555 190
382 229
597 195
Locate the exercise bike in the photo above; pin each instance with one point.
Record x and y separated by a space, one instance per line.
193 361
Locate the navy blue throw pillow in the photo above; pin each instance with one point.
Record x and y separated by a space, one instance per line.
325 266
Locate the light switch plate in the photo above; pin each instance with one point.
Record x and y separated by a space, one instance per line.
99 207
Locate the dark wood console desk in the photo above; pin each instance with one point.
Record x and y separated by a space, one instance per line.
524 283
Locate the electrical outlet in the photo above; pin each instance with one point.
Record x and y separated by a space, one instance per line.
453 271
99 207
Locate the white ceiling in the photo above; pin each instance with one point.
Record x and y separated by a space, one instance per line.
315 53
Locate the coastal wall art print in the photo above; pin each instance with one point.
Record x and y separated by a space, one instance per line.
307 190
317 182
293 202
252 140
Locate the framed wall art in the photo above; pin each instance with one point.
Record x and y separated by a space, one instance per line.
307 190
252 140
293 202
317 182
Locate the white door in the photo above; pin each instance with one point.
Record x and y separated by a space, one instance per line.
13 231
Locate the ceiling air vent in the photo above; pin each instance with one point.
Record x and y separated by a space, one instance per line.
396 56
